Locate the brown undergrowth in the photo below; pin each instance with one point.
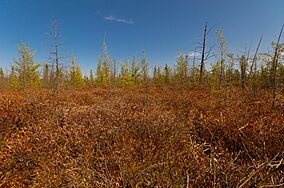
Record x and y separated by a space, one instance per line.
154 137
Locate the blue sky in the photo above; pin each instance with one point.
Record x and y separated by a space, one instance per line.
160 27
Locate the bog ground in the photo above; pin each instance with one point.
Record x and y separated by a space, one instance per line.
140 137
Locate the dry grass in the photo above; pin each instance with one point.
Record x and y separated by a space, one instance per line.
125 138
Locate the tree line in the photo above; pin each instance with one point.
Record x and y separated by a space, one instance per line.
246 71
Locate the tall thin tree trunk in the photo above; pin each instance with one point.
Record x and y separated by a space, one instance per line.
203 56
253 68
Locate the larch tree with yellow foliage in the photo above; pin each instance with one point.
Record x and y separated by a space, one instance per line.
76 78
24 72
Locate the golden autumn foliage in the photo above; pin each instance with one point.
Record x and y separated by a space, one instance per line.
24 72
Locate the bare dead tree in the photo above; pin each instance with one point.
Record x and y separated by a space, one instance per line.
274 66
204 55
54 55
253 67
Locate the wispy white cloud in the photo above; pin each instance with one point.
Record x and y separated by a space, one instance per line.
119 20
192 54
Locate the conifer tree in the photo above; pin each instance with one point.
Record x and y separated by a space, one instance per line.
52 76
135 68
215 74
45 79
2 79
114 72
106 66
13 79
223 50
167 73
126 69
126 79
92 79
155 75
144 69
243 68
76 78
1 74
181 69
160 76
99 75
26 69
229 72
85 81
